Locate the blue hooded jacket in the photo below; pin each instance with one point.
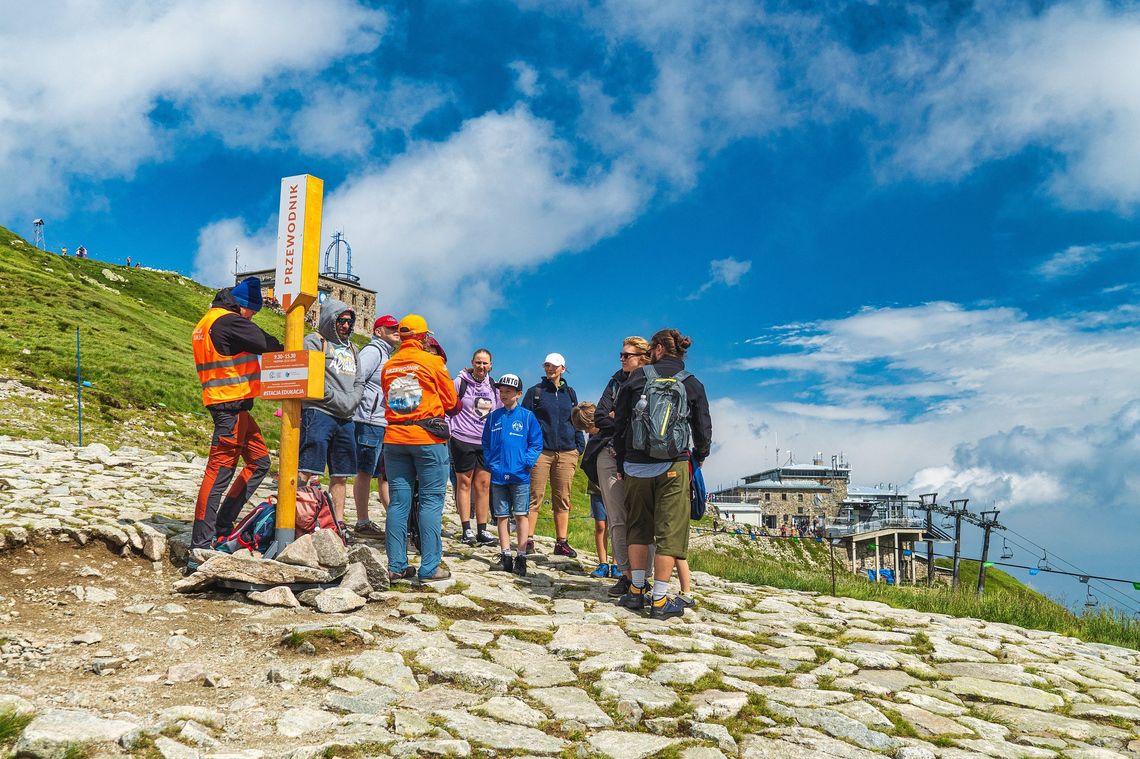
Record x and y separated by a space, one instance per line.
512 442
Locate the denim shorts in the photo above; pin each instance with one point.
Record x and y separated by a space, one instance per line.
369 446
507 500
327 441
597 508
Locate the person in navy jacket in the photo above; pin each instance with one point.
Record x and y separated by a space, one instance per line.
512 443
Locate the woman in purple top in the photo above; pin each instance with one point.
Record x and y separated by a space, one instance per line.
477 399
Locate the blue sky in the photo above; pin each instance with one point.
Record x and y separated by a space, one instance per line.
903 232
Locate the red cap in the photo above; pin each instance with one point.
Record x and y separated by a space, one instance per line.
387 320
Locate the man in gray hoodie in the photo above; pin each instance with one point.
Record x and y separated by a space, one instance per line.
371 424
328 436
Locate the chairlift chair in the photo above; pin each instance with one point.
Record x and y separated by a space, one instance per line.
1006 551
1043 562
947 521
1091 600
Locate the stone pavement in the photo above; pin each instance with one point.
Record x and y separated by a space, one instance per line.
488 664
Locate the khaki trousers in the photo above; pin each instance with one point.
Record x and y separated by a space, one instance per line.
556 468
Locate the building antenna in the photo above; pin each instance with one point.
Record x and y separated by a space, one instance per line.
236 269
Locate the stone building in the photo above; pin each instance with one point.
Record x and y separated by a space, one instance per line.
791 494
345 289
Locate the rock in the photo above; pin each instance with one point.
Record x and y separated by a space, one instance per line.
1018 695
295 722
138 609
154 546
186 673
331 551
94 595
510 709
506 596
455 602
476 673
502 736
621 745
338 600
56 733
169 748
704 752
309 597
571 704
840 726
437 747
375 566
88 638
173 609
253 571
680 673
914 752
717 704
385 668
925 722
589 638
300 553
281 596
611 661
797 697
16 706
356 579
718 734
625 686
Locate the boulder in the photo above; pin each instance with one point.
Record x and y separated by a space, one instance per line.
331 551
338 601
279 596
56 733
356 579
374 564
254 571
301 553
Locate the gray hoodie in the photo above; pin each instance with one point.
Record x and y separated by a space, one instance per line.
372 359
343 384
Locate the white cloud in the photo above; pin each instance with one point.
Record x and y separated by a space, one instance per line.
437 229
1076 258
214 260
723 271
526 79
85 88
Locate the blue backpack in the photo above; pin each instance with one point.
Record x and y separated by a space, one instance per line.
698 496
255 531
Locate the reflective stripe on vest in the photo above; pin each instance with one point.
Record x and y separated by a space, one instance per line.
224 378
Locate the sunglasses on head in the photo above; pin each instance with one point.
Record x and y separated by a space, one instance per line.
623 355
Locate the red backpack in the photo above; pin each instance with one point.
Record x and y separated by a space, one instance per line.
315 512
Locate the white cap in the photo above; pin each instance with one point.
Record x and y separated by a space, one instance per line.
556 359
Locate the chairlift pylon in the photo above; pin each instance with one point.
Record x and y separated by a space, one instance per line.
1006 551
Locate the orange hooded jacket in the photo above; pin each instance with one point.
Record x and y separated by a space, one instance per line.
416 386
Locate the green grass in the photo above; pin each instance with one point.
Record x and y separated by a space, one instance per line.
11 725
1005 600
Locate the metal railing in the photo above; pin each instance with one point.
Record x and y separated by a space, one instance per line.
841 529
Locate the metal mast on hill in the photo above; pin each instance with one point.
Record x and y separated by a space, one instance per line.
38 234
333 252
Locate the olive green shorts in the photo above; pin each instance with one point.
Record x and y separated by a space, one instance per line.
658 510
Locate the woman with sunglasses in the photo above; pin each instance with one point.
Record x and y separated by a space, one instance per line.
600 464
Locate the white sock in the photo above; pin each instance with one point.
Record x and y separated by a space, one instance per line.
660 588
638 577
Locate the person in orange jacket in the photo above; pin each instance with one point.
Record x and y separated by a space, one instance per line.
226 349
418 391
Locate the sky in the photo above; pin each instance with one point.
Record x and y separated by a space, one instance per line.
906 233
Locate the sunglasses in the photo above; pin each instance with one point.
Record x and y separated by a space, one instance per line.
623 355
346 320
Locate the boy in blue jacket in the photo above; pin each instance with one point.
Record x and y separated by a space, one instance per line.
512 442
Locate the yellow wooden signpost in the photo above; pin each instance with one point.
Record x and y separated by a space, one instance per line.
294 374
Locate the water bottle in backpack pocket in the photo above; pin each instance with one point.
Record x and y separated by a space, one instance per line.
660 422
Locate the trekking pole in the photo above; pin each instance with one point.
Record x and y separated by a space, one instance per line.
79 384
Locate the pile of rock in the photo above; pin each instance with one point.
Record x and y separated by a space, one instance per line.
319 559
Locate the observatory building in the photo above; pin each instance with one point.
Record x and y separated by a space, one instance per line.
336 280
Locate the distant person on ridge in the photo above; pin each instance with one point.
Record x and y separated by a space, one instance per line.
328 435
226 346
551 401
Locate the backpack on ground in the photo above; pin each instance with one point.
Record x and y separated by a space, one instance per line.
661 416
315 512
255 531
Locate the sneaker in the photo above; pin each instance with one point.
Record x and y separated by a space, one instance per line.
634 598
562 548
665 607
619 588
441 573
407 574
602 570
614 571
368 529
506 564
520 565
529 546
687 601
468 538
485 538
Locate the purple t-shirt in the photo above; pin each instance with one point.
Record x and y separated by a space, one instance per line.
479 400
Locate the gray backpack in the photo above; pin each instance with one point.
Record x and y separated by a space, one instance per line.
661 416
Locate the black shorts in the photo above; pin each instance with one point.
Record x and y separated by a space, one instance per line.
466 456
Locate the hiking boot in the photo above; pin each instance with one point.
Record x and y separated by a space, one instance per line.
562 548
634 598
506 564
666 607
602 570
484 538
687 601
441 573
529 546
520 565
468 538
614 571
619 588
407 574
368 529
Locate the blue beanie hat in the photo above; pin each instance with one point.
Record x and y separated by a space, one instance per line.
247 293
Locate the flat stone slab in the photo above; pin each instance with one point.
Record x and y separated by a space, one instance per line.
680 673
511 709
625 686
571 704
385 668
54 733
295 722
621 745
1043 723
476 673
500 735
804 697
927 722
592 639
717 704
505 596
1007 693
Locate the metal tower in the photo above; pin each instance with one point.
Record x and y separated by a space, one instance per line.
333 252
38 234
